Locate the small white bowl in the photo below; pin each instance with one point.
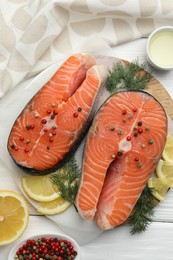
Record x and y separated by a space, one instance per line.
160 48
57 235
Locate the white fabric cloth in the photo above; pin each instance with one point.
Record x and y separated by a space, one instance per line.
36 34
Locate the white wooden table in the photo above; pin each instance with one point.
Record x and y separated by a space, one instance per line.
154 244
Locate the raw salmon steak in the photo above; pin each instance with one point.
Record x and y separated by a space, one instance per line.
52 124
123 146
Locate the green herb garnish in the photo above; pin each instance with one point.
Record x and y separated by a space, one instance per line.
143 212
132 76
66 178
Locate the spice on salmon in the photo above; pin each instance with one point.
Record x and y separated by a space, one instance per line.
79 109
120 132
112 128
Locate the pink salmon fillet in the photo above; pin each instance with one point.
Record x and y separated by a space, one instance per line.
56 118
123 146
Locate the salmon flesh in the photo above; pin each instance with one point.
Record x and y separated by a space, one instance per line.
123 146
55 120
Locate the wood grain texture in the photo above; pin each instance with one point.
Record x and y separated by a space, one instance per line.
156 89
154 244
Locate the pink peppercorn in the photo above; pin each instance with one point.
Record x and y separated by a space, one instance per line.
128 138
75 114
46 248
140 130
44 121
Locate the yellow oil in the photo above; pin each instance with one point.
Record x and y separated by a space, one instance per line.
161 49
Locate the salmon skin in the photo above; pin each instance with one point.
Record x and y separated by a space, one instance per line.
123 146
52 124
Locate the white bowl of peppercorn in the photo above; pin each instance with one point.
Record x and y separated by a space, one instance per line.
44 247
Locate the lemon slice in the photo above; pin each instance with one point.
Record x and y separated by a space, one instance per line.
53 207
13 216
164 171
158 189
40 188
167 154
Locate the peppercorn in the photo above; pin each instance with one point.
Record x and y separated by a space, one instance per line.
48 111
139 164
36 115
75 114
120 132
150 141
130 116
21 138
128 138
27 141
147 128
46 248
12 146
52 117
139 123
79 109
124 112
28 127
44 121
55 112
112 128
53 132
140 130
120 153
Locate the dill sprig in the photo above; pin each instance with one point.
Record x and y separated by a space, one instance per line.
66 178
133 76
143 212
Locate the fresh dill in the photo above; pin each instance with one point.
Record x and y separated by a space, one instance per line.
131 76
143 212
66 178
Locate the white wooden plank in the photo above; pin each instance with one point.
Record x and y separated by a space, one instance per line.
164 210
156 243
8 183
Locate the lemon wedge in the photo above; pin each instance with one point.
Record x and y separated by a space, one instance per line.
56 206
40 188
164 171
158 189
14 216
167 154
